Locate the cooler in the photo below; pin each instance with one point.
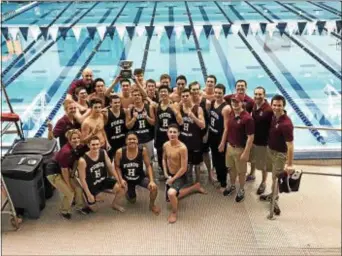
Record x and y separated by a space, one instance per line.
23 176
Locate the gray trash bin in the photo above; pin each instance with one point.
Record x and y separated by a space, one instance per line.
23 176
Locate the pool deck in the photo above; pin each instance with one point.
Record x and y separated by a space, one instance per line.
310 224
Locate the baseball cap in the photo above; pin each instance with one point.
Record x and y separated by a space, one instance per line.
237 97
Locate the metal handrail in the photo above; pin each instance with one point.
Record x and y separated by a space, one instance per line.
317 128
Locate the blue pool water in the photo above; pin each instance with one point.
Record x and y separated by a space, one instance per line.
305 68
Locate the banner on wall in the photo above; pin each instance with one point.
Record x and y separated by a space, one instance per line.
246 29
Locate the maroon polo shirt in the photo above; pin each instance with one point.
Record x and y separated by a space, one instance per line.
262 121
80 83
63 125
248 102
281 132
64 156
238 129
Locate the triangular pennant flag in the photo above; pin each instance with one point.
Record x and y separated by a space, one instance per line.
235 28
121 31
254 27
330 26
35 31
226 28
339 25
13 31
301 27
24 32
159 30
292 27
188 30
263 27
271 27
102 31
281 27
149 30
169 30
63 31
130 31
91 32
179 30
245 28
77 32
217 30
207 30
110 31
140 30
44 31
320 26
198 30
53 31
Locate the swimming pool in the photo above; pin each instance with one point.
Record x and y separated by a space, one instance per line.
179 38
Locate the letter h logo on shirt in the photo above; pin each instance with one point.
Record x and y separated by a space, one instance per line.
131 172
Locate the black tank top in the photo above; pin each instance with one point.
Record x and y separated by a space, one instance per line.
116 129
142 127
191 133
203 105
132 170
216 124
96 171
164 119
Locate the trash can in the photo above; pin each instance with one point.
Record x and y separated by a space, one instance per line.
23 176
39 146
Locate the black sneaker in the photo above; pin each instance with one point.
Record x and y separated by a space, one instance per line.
267 198
240 196
228 191
85 210
261 189
66 216
276 209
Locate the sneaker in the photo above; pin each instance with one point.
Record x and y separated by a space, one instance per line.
261 189
84 210
276 209
267 197
66 216
228 191
250 177
240 196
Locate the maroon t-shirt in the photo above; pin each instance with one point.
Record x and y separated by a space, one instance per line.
248 102
262 121
63 125
64 157
80 83
281 132
238 129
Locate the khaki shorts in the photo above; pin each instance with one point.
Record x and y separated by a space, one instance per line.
258 156
233 160
275 161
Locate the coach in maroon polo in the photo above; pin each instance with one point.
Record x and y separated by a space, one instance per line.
240 141
262 114
280 144
241 87
86 82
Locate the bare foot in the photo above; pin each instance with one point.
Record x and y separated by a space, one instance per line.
172 218
222 189
118 208
155 209
200 189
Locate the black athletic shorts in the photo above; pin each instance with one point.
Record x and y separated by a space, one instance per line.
106 184
205 147
195 157
131 193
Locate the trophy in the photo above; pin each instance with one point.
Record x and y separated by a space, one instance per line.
126 71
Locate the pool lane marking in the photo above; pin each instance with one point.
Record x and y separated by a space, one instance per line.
280 87
149 37
227 70
327 8
33 42
54 111
198 48
20 12
20 71
172 48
